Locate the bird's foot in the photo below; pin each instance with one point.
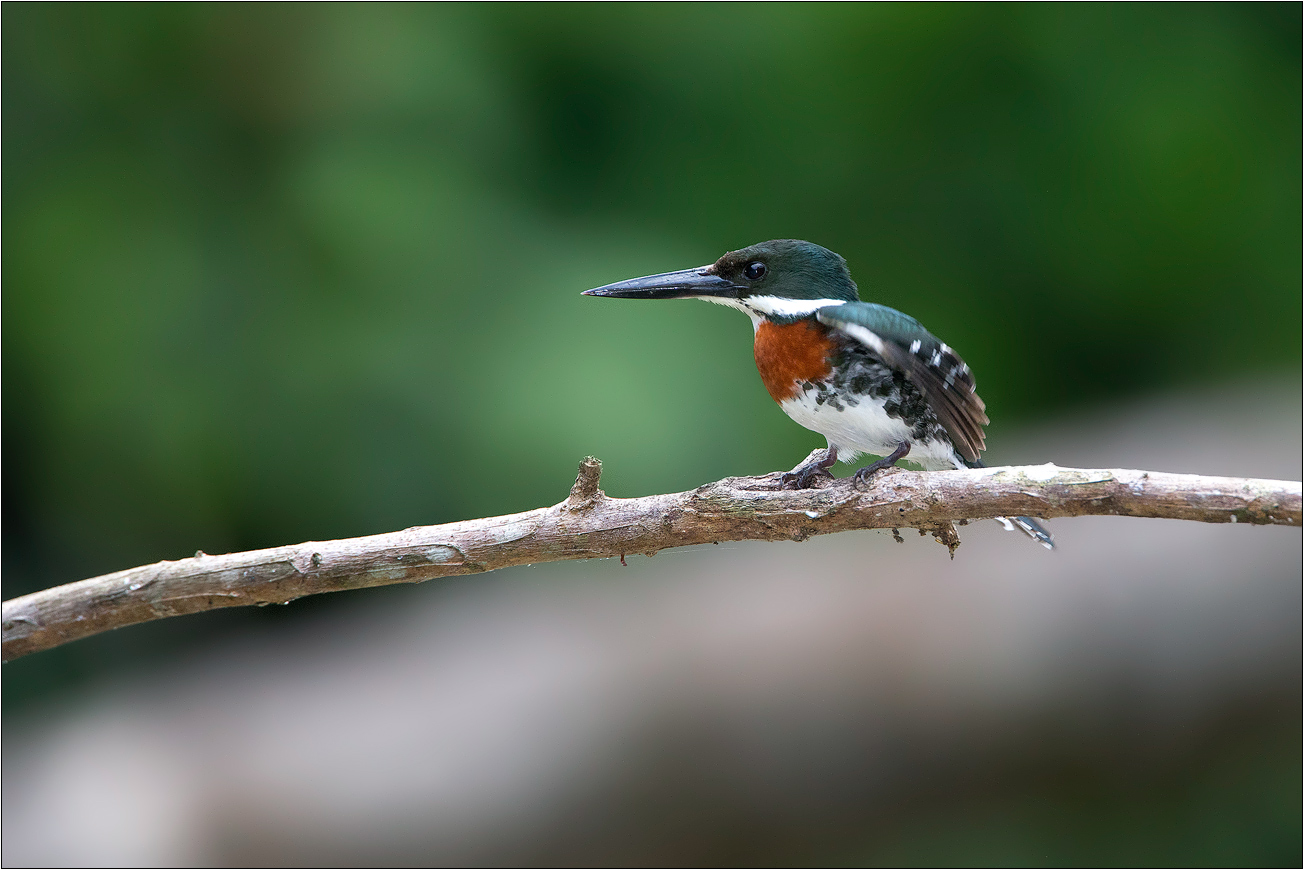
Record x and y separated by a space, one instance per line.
805 475
863 475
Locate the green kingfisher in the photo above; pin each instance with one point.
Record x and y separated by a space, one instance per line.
868 378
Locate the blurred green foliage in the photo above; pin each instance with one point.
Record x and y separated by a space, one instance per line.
275 273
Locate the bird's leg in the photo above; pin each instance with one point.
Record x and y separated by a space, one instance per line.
802 475
863 475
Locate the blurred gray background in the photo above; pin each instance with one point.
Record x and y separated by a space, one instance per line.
284 273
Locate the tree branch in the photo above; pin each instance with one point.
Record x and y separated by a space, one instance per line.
589 525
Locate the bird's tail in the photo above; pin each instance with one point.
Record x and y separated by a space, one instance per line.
1030 527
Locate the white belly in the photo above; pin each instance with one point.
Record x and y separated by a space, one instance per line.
866 428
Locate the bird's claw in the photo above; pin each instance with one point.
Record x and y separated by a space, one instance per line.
862 475
802 478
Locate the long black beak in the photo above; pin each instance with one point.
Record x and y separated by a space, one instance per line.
701 281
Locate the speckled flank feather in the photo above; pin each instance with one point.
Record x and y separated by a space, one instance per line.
866 427
933 367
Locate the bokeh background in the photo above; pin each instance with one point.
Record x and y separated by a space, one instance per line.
278 273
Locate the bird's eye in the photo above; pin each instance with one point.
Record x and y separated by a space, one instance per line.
754 270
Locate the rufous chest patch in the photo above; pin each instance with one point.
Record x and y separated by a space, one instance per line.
788 354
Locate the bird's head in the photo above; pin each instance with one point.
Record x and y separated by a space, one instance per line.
781 278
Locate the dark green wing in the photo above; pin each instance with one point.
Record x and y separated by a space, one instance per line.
934 368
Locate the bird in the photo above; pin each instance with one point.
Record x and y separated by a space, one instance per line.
869 378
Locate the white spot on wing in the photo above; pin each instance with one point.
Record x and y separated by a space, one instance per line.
914 346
